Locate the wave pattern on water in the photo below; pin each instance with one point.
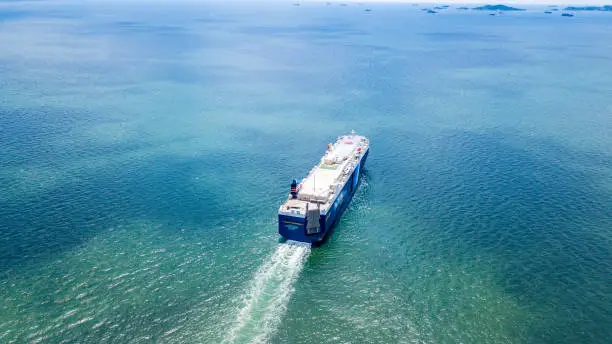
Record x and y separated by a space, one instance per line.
265 302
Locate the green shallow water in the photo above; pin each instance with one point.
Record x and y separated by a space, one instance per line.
146 149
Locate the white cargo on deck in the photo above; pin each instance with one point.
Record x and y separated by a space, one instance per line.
319 185
325 179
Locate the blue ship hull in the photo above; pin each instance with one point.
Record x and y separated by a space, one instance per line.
294 228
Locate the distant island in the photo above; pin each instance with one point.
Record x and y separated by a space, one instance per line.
607 8
497 8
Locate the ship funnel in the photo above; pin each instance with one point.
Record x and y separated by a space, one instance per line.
294 189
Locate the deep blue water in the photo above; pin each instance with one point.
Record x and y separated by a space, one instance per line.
145 149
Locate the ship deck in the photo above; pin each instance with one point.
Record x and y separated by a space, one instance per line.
325 179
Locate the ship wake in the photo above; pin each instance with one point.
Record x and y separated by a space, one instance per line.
265 302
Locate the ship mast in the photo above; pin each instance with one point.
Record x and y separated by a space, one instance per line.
314 184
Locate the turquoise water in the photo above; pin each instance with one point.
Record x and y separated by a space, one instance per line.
145 150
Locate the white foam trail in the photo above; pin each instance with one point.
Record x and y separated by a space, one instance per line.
268 295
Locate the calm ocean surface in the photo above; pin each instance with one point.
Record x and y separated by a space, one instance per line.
145 148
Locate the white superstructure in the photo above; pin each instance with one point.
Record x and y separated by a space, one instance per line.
325 181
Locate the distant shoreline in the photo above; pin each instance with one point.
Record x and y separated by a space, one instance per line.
575 3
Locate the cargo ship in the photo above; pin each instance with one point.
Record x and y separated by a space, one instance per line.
315 204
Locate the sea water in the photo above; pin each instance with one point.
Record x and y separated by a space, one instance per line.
145 148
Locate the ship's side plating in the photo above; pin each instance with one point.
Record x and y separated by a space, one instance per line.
297 218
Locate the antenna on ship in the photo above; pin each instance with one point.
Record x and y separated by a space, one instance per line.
314 184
